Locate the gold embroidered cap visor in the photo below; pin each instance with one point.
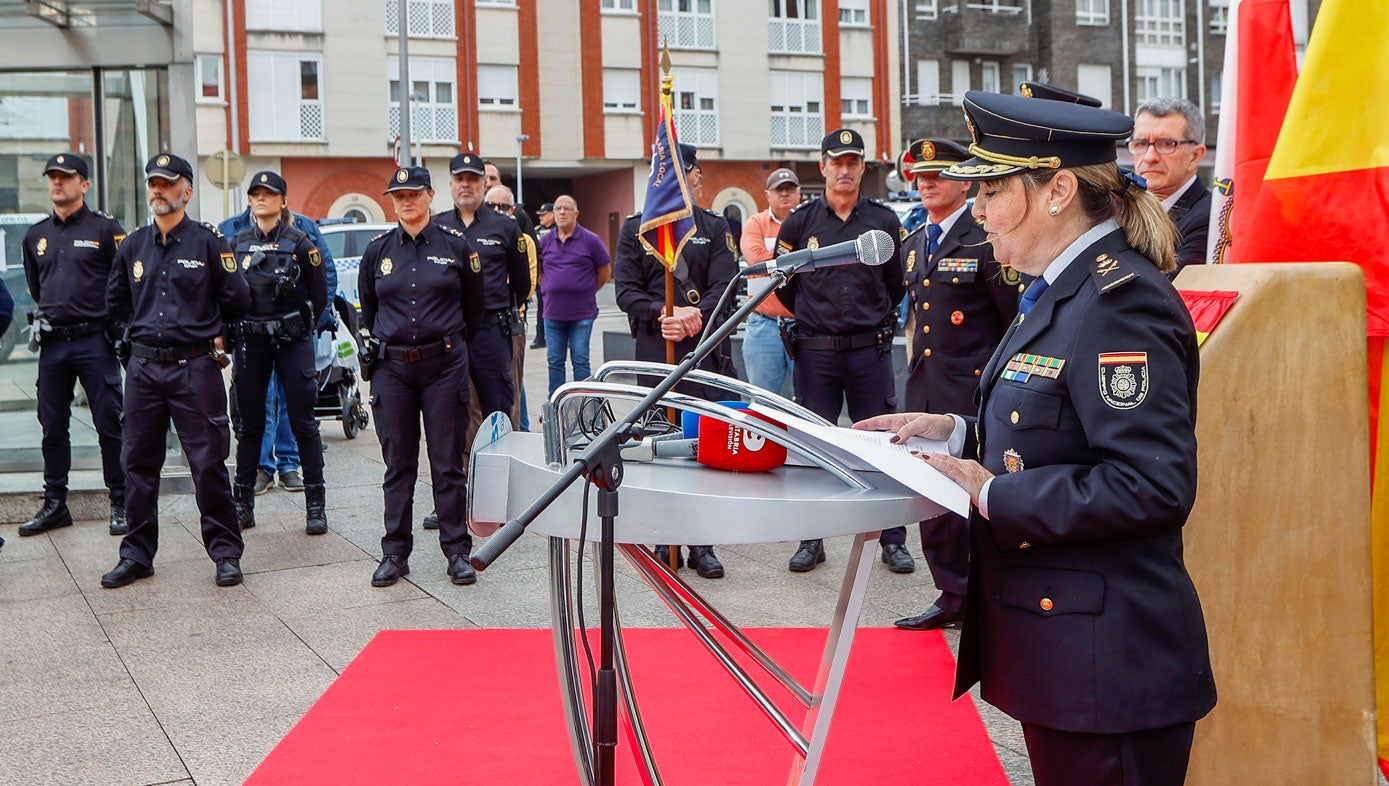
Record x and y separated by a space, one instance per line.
1013 134
934 155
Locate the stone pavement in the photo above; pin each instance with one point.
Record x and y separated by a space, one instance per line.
176 681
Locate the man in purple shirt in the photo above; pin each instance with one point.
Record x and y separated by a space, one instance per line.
577 265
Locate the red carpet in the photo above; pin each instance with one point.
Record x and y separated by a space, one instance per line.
483 707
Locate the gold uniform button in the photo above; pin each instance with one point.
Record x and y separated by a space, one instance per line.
955 280
927 353
925 306
925 328
926 283
1046 604
1014 417
977 372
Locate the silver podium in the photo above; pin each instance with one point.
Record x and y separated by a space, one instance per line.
678 501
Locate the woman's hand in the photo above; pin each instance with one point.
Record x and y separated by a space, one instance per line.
910 424
969 474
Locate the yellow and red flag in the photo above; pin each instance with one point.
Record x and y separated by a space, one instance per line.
667 220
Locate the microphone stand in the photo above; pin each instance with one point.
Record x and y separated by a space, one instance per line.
601 463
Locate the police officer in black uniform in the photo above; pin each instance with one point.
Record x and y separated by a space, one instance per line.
962 300
845 316
67 260
421 287
506 283
703 270
289 288
176 285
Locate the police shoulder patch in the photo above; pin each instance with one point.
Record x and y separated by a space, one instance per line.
229 262
475 262
1109 272
120 238
315 258
1123 378
1010 276
901 234
732 245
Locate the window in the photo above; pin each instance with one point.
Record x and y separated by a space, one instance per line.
209 68
499 3
926 10
284 96
285 16
496 86
853 13
425 18
630 6
621 89
696 106
1092 12
1095 80
793 27
959 81
988 77
1215 92
1155 82
856 97
996 6
797 117
433 98
1220 16
928 82
687 24
1022 72
1160 22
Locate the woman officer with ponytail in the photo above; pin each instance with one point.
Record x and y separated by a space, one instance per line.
1080 619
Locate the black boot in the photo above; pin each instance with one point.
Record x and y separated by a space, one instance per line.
245 498
316 520
119 526
52 515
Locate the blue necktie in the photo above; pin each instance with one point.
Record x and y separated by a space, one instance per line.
1032 295
933 234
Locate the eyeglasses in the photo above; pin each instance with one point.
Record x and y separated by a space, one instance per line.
507 206
1165 147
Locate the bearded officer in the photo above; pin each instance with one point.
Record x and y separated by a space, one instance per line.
176 285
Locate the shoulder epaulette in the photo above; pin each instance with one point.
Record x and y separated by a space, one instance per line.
451 230
802 205
1110 272
914 231
879 204
213 228
636 215
106 216
708 211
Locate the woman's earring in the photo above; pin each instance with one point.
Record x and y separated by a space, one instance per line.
1055 210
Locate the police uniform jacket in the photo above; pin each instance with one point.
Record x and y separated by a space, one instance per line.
287 254
963 301
1080 615
176 291
67 264
506 270
419 290
849 299
1192 215
706 265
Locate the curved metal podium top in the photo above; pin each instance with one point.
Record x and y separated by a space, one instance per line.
680 501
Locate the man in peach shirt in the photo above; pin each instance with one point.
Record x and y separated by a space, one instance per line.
764 357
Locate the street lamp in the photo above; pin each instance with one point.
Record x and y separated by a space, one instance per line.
520 143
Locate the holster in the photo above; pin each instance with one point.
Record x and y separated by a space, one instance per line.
371 350
786 328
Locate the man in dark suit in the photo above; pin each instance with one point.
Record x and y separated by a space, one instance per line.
1169 141
962 301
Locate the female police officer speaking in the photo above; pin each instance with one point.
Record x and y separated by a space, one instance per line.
289 289
421 290
1080 618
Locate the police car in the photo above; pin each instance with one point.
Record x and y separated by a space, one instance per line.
346 240
12 229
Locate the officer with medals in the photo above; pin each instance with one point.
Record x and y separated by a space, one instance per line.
506 284
421 288
1080 618
961 302
703 270
67 261
845 316
175 284
289 289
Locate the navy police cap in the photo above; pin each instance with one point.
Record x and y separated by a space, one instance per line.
409 178
270 181
1012 134
166 166
1055 93
467 162
932 155
68 164
841 142
689 156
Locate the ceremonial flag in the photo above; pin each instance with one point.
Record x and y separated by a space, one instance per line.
667 220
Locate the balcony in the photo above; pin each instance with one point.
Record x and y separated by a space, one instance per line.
986 27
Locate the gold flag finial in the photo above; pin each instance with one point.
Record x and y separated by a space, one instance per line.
667 81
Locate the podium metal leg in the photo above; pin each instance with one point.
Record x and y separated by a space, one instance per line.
571 683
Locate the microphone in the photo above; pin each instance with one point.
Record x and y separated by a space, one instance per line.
872 248
664 446
719 445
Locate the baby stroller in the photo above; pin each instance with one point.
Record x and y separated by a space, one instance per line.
335 357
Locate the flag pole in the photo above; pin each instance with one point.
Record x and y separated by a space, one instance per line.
667 82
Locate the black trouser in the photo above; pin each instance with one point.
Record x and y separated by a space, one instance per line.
945 544
826 379
190 394
293 361
437 389
62 362
489 366
1148 757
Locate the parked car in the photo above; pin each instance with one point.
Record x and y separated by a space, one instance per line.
12 229
346 241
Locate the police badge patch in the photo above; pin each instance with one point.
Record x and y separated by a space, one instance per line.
42 246
813 243
1123 378
911 260
246 262
315 258
1012 460
386 266
138 270
229 262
